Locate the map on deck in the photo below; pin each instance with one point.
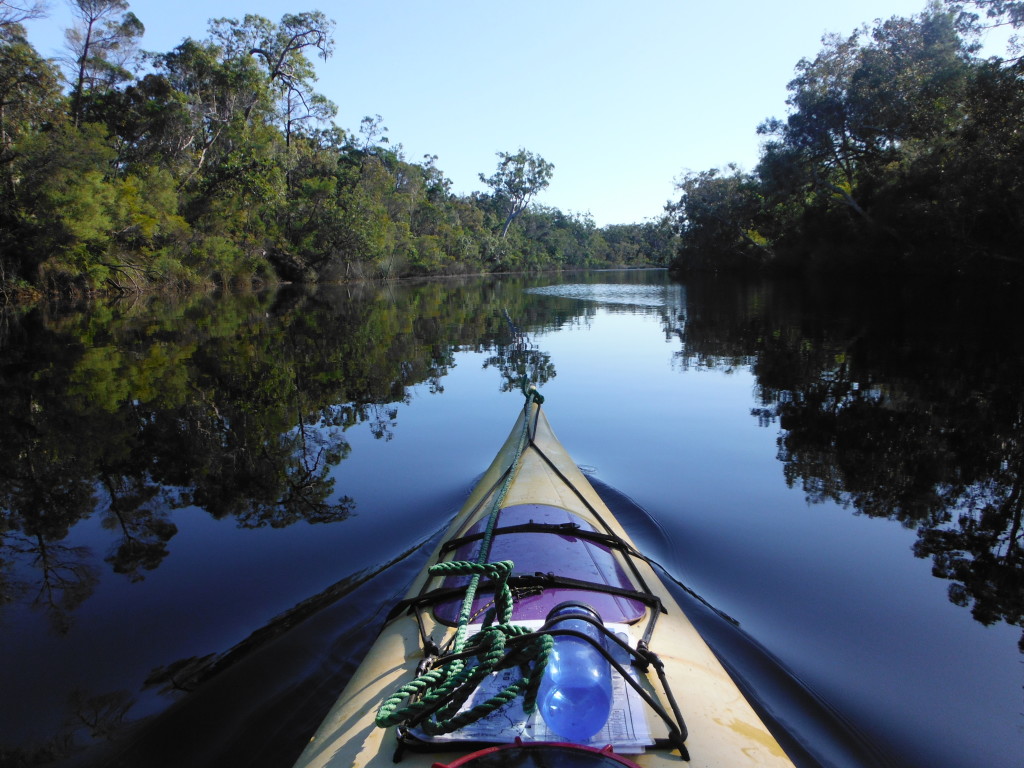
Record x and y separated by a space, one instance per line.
626 730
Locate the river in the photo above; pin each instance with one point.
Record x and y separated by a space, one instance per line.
208 503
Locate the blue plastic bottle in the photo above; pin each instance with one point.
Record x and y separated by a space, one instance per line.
575 694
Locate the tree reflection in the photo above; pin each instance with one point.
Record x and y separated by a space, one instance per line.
903 409
982 552
144 530
518 359
62 577
38 512
102 715
237 406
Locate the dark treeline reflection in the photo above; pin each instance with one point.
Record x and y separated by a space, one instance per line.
897 403
235 405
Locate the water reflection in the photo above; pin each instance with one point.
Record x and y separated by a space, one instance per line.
893 405
236 406
519 360
237 409
668 297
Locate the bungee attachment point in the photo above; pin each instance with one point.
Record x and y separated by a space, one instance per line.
530 392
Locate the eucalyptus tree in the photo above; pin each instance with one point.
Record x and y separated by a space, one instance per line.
978 15
910 81
518 178
716 219
866 109
282 51
374 134
101 45
218 96
30 100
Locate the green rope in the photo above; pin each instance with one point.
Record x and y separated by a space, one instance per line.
436 696
433 699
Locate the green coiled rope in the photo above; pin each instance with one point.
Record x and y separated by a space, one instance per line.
432 701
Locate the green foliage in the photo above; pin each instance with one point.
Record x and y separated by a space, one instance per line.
517 180
101 45
214 255
146 213
717 217
29 90
219 166
81 206
896 155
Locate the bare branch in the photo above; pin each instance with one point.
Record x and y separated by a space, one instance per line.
19 11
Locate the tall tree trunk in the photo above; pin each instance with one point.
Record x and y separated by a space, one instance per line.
76 99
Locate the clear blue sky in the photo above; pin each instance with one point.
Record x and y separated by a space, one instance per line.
623 97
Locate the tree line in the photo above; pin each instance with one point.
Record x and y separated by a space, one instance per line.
218 162
902 151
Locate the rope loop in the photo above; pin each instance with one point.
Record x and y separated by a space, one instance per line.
498 572
432 701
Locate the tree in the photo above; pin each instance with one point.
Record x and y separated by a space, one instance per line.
1000 13
17 11
855 108
716 218
281 49
819 129
909 82
29 89
864 155
219 96
101 44
374 134
150 123
518 178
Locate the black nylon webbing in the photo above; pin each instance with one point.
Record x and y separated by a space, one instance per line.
560 529
524 583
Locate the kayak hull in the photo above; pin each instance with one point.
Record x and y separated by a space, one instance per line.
723 729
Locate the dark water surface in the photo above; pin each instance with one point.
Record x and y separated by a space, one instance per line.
206 507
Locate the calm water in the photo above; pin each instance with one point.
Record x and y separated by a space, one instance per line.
205 506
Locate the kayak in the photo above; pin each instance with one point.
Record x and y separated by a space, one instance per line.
457 676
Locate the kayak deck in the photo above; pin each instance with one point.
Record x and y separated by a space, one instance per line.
540 538
566 545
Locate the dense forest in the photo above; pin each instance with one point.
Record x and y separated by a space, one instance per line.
902 151
218 163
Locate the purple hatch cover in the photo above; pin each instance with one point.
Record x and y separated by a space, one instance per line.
561 554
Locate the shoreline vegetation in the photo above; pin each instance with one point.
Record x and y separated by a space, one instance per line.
218 164
902 153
